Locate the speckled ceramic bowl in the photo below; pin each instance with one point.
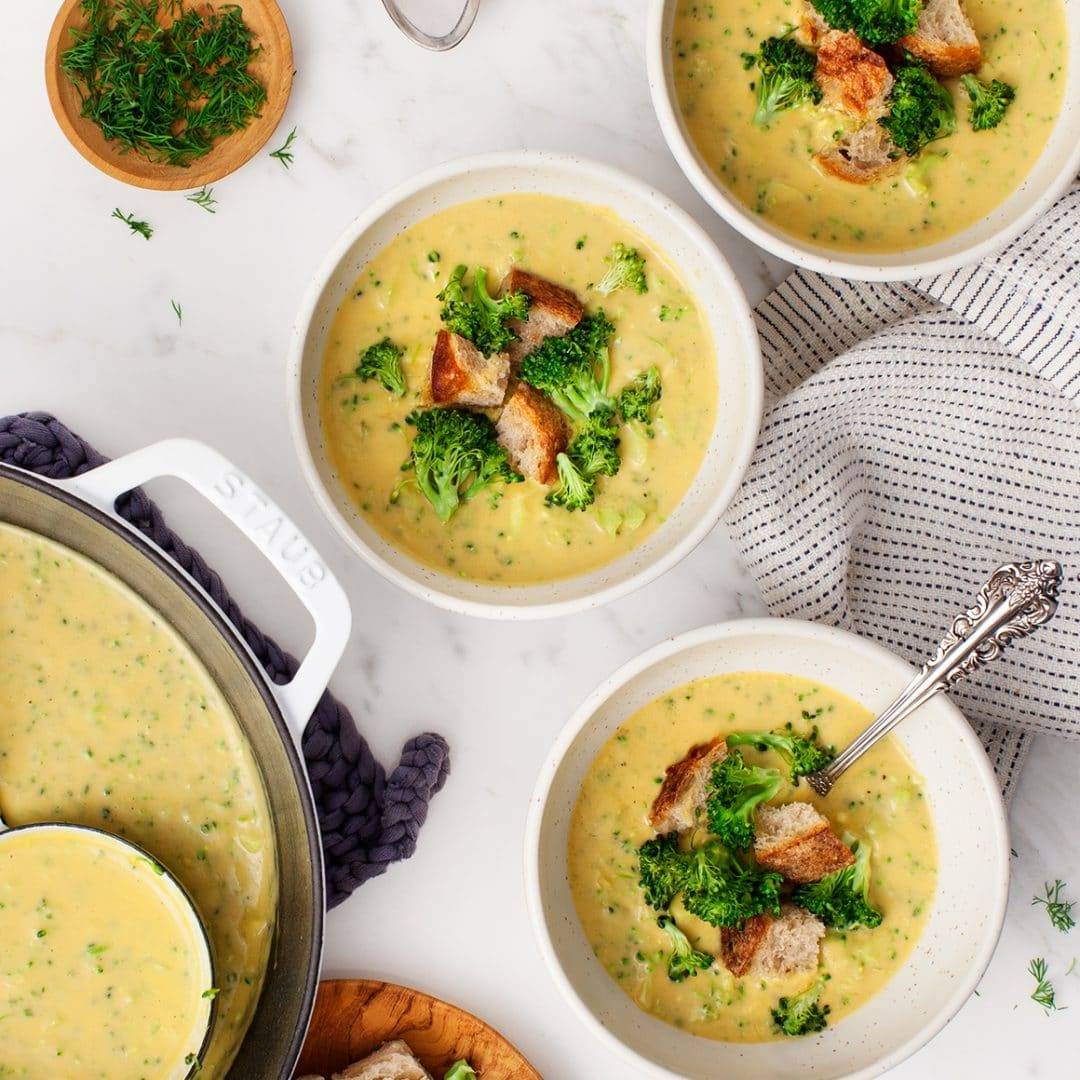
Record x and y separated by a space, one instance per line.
973 861
708 277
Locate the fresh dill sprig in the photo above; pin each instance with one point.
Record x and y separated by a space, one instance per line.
163 80
283 153
179 312
204 198
1043 994
1060 911
143 228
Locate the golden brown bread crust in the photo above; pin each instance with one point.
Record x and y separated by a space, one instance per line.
534 432
462 375
853 78
739 944
553 311
945 59
807 857
863 156
684 786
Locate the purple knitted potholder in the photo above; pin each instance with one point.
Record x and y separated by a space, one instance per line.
367 821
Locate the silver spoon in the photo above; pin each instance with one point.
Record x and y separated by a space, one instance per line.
437 43
1018 598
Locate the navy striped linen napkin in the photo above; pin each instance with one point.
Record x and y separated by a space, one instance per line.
916 436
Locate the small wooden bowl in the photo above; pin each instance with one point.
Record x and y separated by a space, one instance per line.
353 1017
273 66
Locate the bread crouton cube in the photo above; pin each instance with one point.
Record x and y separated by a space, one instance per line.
553 311
462 375
533 431
853 78
863 156
944 40
685 785
797 841
392 1061
767 946
812 24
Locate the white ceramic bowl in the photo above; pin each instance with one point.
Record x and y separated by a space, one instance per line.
973 860
706 275
1051 174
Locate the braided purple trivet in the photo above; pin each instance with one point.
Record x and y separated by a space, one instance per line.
367 821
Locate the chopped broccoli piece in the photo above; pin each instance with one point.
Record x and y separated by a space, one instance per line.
921 109
786 77
626 270
842 898
801 1015
575 490
461 1070
684 960
637 398
662 870
474 314
735 790
803 753
382 362
574 370
454 456
595 450
877 22
988 101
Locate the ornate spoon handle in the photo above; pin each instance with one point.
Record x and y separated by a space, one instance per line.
1017 598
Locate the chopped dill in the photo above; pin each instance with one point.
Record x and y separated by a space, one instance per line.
179 312
284 153
1060 911
143 228
1043 994
162 80
204 198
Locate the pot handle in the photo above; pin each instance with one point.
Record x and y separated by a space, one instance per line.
261 520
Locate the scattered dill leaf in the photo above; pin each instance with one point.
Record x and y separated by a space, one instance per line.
167 92
143 228
179 312
1060 911
284 153
1043 994
204 198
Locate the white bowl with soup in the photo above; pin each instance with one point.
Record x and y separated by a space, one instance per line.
925 802
964 197
507 553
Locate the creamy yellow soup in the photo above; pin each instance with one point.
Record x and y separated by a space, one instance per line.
508 536
101 971
880 800
954 183
108 719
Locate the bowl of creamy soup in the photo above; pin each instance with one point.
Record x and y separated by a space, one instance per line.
524 384
708 915
867 141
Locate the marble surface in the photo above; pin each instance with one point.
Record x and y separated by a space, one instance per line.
87 331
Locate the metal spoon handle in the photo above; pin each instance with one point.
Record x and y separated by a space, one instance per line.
1018 598
440 42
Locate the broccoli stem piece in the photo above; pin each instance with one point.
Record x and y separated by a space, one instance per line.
684 960
842 899
626 270
382 362
735 791
801 1014
802 753
461 1070
989 101
785 77
921 109
638 397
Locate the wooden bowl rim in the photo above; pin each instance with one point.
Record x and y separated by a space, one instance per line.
215 165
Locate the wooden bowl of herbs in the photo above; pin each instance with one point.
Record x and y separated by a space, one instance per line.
168 94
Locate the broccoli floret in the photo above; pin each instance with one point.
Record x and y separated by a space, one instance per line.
474 314
626 270
803 753
988 101
595 450
735 790
461 1070
801 1015
921 109
684 960
721 891
661 870
877 22
637 398
575 490
786 77
454 456
382 362
842 898
574 370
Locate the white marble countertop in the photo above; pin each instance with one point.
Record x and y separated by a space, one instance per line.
87 331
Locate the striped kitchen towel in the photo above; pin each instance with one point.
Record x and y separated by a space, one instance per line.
916 436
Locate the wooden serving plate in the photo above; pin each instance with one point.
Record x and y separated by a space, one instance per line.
353 1017
273 66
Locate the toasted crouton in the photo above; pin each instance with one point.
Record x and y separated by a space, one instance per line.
553 311
853 78
767 946
534 432
392 1061
683 791
863 156
798 842
812 25
462 375
944 40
